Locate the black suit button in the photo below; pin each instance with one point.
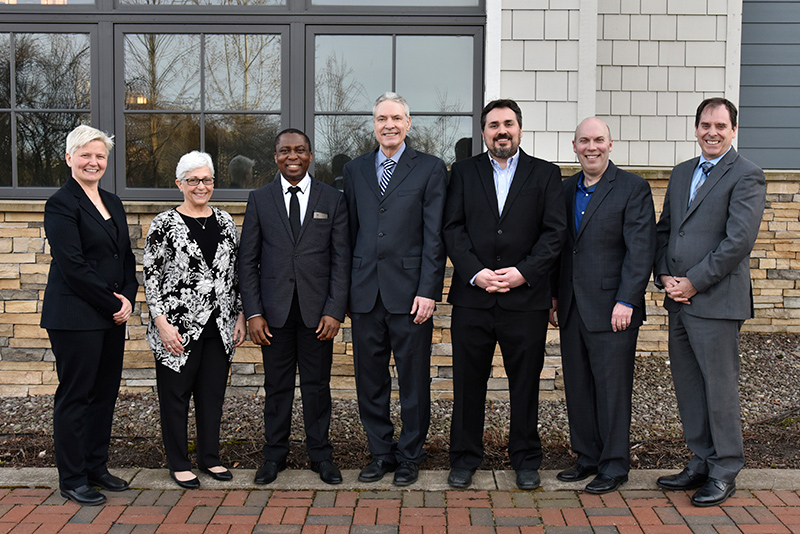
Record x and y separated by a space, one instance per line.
116 256
116 285
383 210
498 258
380 234
574 251
500 232
680 234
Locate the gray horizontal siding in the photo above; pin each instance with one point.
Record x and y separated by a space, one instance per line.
769 102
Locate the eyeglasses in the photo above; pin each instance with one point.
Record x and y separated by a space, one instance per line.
196 181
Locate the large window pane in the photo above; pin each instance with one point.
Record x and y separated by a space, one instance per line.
243 72
440 136
52 71
337 140
153 145
383 3
351 71
41 143
162 71
242 147
434 72
5 149
5 70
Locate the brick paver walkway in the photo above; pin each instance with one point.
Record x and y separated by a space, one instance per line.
44 511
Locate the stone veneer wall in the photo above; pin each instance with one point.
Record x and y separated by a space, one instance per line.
27 366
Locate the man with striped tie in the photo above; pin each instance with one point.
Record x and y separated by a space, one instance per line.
395 197
709 223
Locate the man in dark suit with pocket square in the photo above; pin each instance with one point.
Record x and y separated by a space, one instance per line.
294 274
395 196
598 302
504 225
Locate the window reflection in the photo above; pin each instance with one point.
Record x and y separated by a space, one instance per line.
243 149
384 3
204 2
153 145
5 150
40 147
338 139
5 70
52 71
162 71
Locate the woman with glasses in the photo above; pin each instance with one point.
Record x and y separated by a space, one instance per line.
195 317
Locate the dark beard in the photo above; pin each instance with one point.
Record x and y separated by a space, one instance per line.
503 153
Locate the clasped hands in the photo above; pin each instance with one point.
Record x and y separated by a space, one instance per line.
679 289
500 280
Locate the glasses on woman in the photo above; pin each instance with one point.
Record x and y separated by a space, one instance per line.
196 181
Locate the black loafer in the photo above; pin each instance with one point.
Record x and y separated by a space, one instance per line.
685 480
605 484
407 473
375 470
528 479
84 495
328 472
576 472
713 492
192 483
223 476
268 471
460 477
109 482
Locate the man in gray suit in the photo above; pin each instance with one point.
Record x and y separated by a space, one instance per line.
708 226
294 273
395 197
599 299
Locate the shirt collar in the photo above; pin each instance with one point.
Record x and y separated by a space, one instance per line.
381 157
712 161
302 184
582 187
510 161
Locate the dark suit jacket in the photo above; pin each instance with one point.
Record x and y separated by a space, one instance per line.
529 235
271 264
396 237
710 242
89 263
609 258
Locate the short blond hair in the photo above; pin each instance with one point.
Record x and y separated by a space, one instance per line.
83 135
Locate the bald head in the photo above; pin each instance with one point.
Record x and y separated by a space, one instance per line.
592 144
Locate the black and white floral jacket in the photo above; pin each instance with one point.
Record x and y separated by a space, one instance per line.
179 284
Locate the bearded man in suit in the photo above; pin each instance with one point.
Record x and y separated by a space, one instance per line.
598 303
504 227
708 226
294 274
395 197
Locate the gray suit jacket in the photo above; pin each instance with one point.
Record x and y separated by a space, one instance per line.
609 258
271 264
710 242
396 237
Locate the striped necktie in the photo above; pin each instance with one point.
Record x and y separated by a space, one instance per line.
388 169
706 167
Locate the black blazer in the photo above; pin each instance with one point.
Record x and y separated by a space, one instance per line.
528 235
609 259
89 263
396 237
271 264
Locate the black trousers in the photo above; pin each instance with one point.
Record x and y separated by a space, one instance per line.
89 368
205 376
294 346
598 382
521 335
375 335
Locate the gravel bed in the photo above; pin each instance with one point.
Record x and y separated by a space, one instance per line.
770 392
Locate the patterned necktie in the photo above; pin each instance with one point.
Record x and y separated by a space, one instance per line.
294 211
388 169
706 167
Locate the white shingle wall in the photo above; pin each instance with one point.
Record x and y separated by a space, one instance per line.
655 61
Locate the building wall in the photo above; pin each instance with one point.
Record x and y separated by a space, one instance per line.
27 364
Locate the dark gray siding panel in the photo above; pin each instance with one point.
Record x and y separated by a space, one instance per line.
769 119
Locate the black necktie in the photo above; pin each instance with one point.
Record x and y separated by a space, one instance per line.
294 211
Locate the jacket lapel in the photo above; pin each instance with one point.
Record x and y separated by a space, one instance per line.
602 189
569 193
314 193
87 206
486 174
401 171
280 206
716 174
368 175
521 175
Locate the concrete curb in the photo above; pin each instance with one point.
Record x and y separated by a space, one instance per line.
304 479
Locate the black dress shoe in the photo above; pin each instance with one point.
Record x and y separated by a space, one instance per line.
713 492
605 484
460 477
109 482
528 479
224 476
84 495
685 480
375 470
268 471
576 472
192 483
407 473
328 472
